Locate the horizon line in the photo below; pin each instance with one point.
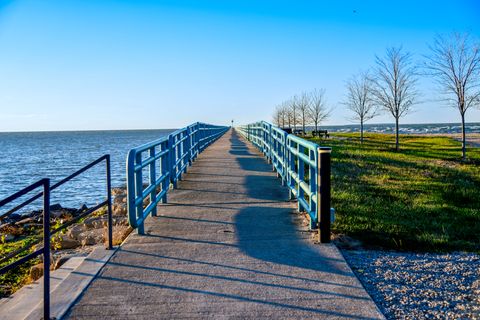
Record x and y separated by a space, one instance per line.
323 125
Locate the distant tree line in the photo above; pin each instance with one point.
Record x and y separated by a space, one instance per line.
391 86
300 111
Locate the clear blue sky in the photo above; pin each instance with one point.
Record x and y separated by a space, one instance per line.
70 65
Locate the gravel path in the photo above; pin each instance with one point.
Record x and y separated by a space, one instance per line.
420 285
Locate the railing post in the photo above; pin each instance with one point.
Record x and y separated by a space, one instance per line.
172 156
208 131
139 193
301 177
205 136
46 249
312 174
274 150
189 154
109 202
132 217
324 193
164 169
195 139
284 157
269 141
189 147
179 153
153 180
263 134
192 142
291 167
198 138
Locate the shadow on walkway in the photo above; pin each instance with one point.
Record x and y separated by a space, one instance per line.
255 224
269 234
228 244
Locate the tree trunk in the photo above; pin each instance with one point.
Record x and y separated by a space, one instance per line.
396 135
464 142
361 131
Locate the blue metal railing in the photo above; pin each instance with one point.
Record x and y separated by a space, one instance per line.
165 159
47 229
302 165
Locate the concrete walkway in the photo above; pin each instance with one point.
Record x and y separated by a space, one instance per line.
228 245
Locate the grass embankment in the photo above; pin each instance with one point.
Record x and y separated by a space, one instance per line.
422 197
24 236
16 278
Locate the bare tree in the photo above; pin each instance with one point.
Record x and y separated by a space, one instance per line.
288 113
318 110
277 116
395 85
455 63
359 99
293 104
283 116
303 104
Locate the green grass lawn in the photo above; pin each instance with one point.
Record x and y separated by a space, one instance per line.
420 198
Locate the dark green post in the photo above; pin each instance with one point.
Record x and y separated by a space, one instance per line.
324 193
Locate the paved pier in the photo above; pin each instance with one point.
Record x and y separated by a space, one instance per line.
227 245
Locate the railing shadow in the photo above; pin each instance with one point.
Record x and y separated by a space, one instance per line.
232 278
270 235
255 224
185 290
238 147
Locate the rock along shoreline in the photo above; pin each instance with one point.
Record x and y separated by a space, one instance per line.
76 240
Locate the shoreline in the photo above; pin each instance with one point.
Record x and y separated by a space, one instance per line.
76 240
473 139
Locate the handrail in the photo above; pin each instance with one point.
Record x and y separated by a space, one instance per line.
58 184
45 250
302 165
47 231
107 202
166 159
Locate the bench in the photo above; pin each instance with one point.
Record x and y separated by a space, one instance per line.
320 133
299 132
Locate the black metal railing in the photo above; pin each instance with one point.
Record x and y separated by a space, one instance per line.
47 230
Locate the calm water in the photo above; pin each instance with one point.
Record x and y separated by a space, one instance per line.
26 157
29 156
409 128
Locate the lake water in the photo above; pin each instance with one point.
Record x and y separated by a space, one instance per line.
26 157
29 156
